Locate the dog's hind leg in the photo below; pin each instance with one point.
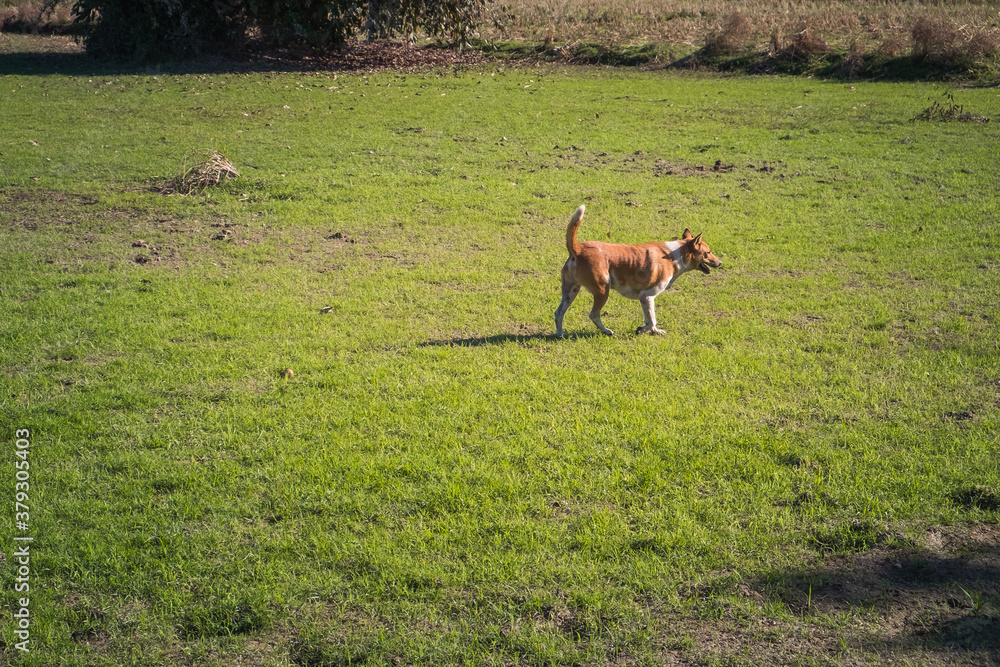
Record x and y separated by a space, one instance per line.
569 292
600 298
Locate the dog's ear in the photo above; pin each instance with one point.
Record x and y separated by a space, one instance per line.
697 239
687 234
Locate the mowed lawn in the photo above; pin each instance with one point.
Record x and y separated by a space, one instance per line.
803 469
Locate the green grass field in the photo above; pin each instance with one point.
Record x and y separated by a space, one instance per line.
803 470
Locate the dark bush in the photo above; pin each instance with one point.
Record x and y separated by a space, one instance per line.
152 29
170 29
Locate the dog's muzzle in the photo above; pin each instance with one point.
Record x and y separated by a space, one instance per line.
704 267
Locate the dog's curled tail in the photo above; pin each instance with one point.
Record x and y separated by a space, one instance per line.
572 245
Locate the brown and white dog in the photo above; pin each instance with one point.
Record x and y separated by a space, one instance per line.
639 271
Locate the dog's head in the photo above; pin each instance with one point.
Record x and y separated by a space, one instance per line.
699 252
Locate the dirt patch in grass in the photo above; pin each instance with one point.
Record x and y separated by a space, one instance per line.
79 229
572 157
70 230
933 601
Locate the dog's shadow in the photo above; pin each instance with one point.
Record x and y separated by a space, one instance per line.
500 339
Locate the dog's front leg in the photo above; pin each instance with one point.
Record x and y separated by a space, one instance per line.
649 313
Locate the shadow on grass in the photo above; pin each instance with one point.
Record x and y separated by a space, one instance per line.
501 339
943 596
388 55
837 66
42 63
40 57
80 64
